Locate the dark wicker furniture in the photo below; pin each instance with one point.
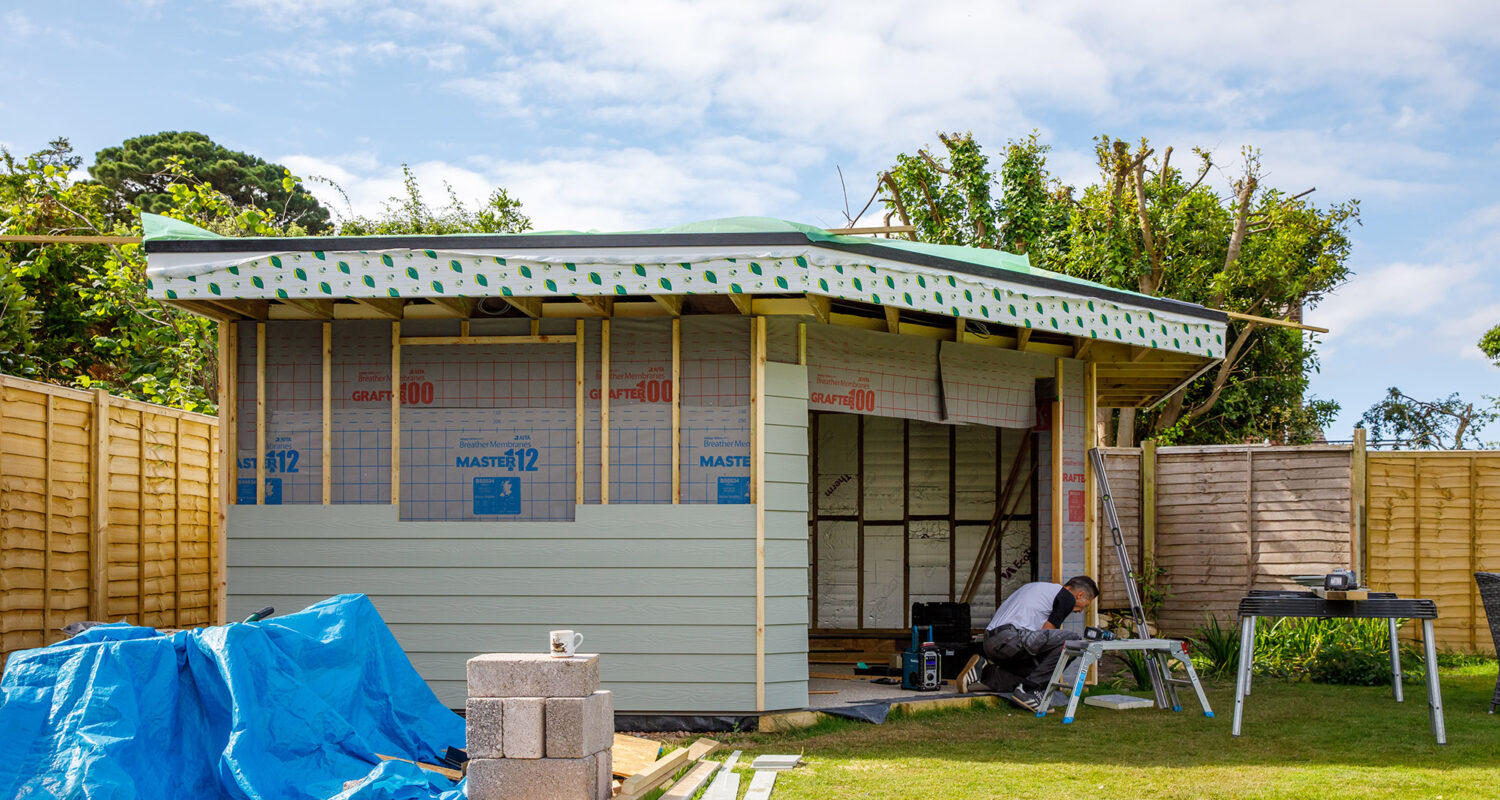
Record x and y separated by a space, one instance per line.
1489 594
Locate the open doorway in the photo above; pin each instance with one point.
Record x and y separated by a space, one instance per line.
899 511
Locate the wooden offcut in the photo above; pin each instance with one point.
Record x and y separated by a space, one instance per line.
447 772
631 754
653 776
691 782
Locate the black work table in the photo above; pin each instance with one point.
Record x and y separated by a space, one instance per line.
1380 605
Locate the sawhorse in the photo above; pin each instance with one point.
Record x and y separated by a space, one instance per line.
1089 652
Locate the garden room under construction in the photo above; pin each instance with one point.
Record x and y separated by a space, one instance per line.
719 451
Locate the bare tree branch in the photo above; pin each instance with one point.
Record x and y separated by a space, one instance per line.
885 177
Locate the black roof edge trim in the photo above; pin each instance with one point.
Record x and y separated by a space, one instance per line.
595 241
582 241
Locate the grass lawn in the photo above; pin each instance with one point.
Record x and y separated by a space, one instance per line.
1300 741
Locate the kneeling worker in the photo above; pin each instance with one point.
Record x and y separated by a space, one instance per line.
1023 641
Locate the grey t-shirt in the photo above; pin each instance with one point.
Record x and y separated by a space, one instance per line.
1033 605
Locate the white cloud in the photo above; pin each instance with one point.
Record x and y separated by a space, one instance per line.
1460 332
1375 303
584 188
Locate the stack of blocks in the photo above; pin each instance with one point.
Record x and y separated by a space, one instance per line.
538 728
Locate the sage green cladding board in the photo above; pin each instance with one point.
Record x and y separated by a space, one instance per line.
785 531
622 638
654 667
638 580
787 468
786 525
559 611
629 521
786 439
786 496
512 581
673 698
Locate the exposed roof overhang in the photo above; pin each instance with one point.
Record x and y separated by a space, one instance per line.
1143 346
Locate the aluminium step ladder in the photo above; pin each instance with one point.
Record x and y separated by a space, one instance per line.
1156 651
1089 652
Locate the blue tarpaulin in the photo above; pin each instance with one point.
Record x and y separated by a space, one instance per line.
288 707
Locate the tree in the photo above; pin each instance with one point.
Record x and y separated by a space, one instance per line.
1445 424
1489 344
79 314
408 213
1147 228
138 175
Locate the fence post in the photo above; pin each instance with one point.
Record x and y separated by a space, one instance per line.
1474 613
48 456
1148 508
99 505
1358 499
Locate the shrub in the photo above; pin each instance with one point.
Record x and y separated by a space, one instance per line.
1216 648
1342 651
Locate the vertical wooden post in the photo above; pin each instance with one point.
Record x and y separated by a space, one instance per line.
675 385
99 508
1474 612
1249 519
140 516
953 514
999 490
1148 509
905 523
260 414
802 343
1059 496
1090 483
229 416
177 522
229 443
327 413
578 415
1358 500
1416 526
757 496
47 542
396 416
604 412
859 512
812 518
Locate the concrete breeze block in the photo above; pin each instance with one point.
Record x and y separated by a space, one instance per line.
580 726
604 760
525 727
534 779
532 675
483 725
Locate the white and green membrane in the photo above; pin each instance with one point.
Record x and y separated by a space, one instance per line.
459 271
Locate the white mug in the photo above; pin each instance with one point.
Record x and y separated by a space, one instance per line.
564 643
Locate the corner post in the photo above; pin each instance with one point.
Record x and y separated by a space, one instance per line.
1059 496
396 415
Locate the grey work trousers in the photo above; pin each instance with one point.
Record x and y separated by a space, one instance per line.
1017 655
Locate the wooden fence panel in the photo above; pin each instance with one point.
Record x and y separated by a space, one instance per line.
1123 466
1230 519
1431 526
143 554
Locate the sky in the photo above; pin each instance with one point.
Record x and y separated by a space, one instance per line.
614 116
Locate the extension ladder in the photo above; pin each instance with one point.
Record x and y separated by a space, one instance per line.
1157 652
